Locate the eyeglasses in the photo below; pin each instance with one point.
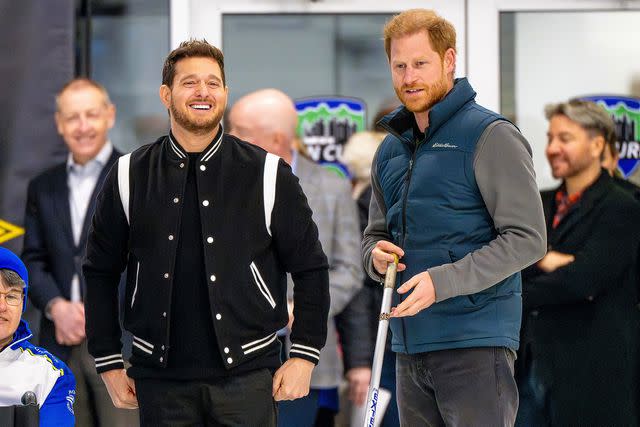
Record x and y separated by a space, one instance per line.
13 298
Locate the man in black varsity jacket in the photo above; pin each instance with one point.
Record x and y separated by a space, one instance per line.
208 226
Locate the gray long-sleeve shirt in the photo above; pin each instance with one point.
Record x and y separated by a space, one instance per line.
504 172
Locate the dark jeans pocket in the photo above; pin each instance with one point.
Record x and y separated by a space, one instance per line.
504 366
506 384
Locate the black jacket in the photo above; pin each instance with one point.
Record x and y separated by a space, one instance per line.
580 325
247 254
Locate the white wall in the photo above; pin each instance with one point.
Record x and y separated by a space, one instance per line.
564 48
291 44
203 18
560 55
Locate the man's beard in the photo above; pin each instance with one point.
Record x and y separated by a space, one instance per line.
431 96
576 167
199 127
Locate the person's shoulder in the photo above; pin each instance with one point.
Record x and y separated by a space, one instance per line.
40 358
329 180
628 186
242 151
55 385
149 148
49 175
390 146
482 112
389 140
622 199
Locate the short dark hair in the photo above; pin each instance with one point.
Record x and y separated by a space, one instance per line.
11 279
191 48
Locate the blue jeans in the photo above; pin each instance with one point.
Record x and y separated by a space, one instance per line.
300 412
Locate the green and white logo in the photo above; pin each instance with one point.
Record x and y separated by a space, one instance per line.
626 115
325 124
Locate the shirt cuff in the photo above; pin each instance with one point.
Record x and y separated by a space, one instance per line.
305 352
444 289
373 274
108 363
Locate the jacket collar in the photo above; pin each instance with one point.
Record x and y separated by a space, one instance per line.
23 333
590 197
102 158
400 121
176 150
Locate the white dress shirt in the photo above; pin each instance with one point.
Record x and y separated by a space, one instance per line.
82 180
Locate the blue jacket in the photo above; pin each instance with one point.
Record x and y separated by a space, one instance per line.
25 367
436 213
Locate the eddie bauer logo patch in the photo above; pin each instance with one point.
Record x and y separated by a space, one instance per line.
444 145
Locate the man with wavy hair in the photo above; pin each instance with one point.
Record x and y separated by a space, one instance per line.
579 363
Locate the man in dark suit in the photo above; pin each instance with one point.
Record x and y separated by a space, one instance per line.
60 204
580 324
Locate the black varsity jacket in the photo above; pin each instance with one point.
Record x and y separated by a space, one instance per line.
256 226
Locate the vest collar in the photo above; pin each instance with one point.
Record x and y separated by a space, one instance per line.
400 121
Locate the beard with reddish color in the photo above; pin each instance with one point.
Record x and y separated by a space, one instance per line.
196 125
426 97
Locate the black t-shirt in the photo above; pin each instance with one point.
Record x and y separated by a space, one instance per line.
193 349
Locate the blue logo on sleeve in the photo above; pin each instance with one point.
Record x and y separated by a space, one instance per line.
71 398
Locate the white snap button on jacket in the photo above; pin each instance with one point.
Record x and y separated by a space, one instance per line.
205 203
203 168
176 200
213 277
170 236
226 350
209 239
166 275
218 316
229 360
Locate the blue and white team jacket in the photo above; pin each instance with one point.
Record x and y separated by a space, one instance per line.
25 367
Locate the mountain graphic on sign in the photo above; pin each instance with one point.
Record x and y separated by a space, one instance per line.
634 116
311 115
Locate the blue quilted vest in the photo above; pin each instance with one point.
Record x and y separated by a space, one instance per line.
436 213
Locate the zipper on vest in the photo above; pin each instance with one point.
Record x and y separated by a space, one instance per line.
406 196
404 227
